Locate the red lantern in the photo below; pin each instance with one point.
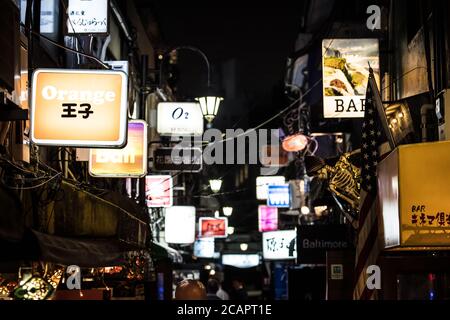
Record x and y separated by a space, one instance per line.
295 143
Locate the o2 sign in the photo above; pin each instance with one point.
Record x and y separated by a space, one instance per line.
179 119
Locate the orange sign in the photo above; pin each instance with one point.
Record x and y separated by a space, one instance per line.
80 108
130 161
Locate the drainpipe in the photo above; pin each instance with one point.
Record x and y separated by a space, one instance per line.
423 122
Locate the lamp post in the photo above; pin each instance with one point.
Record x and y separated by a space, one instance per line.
210 101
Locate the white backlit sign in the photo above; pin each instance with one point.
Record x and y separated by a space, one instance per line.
180 224
87 16
179 118
262 184
241 260
280 245
345 67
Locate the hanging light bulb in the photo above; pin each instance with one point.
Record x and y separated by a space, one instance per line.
227 211
215 185
230 230
244 246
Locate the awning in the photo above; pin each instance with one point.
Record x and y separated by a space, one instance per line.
80 228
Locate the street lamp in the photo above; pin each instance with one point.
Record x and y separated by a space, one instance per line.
215 185
209 101
227 211
209 104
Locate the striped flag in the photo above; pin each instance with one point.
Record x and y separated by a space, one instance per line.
367 246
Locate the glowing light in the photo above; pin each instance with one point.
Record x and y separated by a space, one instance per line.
230 230
227 211
244 246
295 143
215 185
305 210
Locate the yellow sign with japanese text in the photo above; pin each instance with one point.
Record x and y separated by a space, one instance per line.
80 108
414 192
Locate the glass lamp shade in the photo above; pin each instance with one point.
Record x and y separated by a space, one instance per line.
294 143
227 211
230 230
215 185
244 246
209 106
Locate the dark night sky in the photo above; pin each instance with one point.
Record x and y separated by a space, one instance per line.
247 45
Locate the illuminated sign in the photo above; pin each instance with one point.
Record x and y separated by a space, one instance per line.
213 227
79 108
345 68
179 224
279 245
158 191
267 218
279 196
178 159
241 260
204 248
179 118
130 161
414 193
262 184
88 16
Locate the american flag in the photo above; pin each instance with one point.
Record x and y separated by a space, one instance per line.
367 246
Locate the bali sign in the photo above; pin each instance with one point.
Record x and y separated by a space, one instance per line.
79 108
130 161
345 67
158 191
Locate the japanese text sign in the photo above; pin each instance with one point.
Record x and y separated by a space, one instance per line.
280 245
213 227
79 108
88 16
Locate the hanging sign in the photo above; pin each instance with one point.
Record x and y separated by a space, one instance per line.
79 108
345 68
130 161
179 119
204 248
267 218
158 191
213 227
315 240
262 183
178 159
279 196
179 224
88 16
279 245
241 260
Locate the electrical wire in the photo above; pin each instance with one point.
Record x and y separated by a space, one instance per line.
104 65
36 186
